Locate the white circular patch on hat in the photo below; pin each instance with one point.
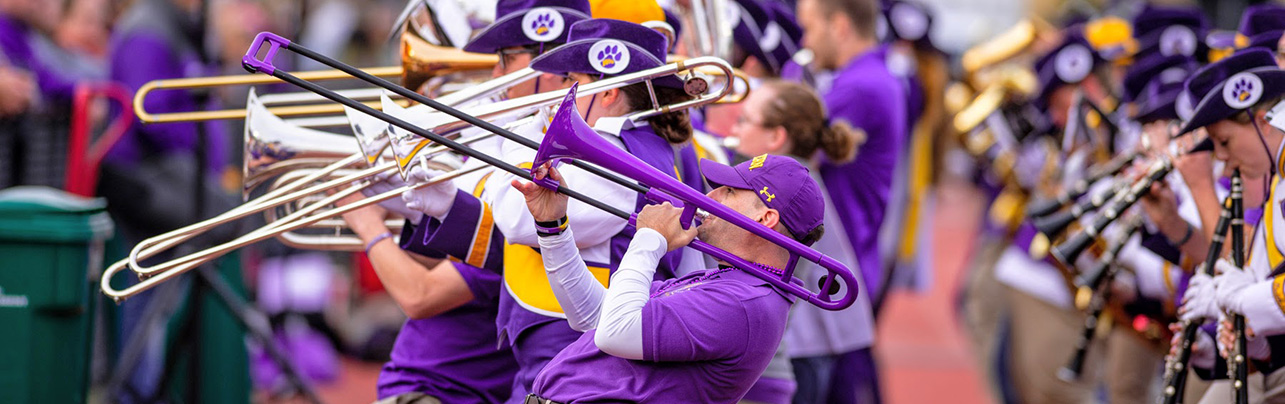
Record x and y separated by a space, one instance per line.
1242 90
1177 40
609 56
1183 106
543 24
1073 63
1173 75
771 38
908 21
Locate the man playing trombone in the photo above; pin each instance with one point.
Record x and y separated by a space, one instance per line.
704 337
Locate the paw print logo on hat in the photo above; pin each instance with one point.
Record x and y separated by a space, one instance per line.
1242 90
543 24
609 56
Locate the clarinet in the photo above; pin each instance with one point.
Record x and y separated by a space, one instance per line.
1079 188
1099 276
1075 244
1176 365
1238 369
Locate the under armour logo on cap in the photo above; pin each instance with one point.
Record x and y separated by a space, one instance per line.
769 196
543 24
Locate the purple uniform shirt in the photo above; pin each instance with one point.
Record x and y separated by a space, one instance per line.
453 356
143 49
707 337
15 42
866 95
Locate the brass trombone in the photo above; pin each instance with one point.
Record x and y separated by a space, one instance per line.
420 62
307 216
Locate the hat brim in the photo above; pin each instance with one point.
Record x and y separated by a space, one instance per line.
1159 112
718 175
571 58
1212 108
507 32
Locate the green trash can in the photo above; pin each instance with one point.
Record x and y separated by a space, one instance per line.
51 250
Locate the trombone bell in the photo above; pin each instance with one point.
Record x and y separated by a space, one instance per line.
422 61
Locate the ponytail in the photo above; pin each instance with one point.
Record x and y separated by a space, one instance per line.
840 141
674 126
799 110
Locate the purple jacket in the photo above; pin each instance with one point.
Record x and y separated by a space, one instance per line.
866 95
149 44
15 42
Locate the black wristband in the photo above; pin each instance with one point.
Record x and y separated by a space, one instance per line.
551 228
1185 237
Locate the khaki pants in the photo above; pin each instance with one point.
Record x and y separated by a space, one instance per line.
1269 389
984 308
1131 366
410 398
1043 341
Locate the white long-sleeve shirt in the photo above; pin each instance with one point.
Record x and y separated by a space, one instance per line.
615 312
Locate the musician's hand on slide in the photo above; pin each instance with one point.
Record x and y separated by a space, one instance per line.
546 205
387 182
367 221
434 200
663 219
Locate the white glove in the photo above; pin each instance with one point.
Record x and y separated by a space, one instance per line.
389 181
1199 302
1229 284
434 200
1203 351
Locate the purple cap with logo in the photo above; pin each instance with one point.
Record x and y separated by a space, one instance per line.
782 183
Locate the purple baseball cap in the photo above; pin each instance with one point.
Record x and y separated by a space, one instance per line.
608 48
1232 85
781 182
529 22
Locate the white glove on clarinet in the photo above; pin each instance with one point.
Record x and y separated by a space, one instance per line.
1199 303
1229 284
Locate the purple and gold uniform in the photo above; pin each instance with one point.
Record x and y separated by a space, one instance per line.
452 356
